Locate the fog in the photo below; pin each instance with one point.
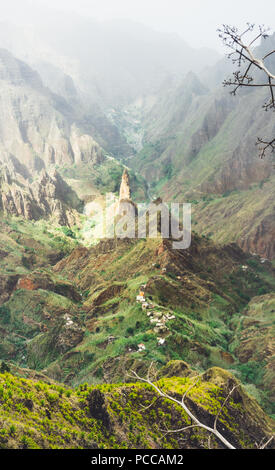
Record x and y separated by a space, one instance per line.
195 21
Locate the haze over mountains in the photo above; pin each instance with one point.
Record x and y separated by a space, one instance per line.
203 140
80 100
112 63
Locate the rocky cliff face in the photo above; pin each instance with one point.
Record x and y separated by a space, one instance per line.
125 190
202 149
125 207
36 126
38 133
47 197
262 239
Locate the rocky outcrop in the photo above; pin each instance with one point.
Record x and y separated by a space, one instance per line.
262 239
47 197
38 127
98 407
125 190
125 209
217 113
44 280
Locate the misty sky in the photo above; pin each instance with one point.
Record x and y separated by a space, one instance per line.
195 20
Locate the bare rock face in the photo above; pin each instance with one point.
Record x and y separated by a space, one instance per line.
125 190
98 408
262 239
37 133
48 197
36 126
124 195
242 169
69 336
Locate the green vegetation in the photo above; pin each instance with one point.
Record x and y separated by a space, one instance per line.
102 178
36 415
78 324
26 244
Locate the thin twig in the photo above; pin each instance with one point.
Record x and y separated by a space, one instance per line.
242 53
228 396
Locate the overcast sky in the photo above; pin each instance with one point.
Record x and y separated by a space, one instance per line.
195 20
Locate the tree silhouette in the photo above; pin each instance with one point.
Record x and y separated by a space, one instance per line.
243 55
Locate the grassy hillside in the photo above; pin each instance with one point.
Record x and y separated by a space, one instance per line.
80 322
248 215
36 415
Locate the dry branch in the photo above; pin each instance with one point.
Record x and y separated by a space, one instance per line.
214 431
243 55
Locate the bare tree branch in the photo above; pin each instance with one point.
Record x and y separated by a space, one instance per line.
266 145
225 401
269 53
242 54
227 444
268 442
149 406
198 424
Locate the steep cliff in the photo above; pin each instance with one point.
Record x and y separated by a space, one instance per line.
36 126
125 189
199 147
47 197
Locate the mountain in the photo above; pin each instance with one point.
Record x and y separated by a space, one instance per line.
41 132
88 109
72 316
37 134
36 126
47 197
199 147
83 323
60 104
111 62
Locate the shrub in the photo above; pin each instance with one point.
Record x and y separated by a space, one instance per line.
5 314
68 232
12 430
130 331
262 291
4 368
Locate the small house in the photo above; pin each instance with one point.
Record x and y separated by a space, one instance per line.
141 298
161 341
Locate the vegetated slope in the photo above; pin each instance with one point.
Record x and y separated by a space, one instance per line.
199 145
28 245
254 342
35 414
80 321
